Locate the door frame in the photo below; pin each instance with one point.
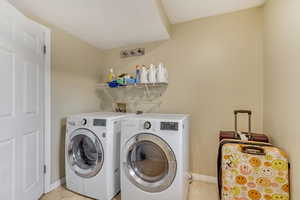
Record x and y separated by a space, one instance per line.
47 111
47 108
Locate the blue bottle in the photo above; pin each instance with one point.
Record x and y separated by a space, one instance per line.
138 74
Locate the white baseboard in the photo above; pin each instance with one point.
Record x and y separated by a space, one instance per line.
204 178
57 184
196 177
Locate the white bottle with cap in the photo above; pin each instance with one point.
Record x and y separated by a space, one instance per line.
162 73
144 75
152 74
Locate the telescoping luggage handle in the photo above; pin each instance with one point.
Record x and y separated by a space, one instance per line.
249 112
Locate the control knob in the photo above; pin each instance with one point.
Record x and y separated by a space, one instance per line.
84 122
147 125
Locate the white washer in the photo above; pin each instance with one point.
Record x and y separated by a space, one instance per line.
92 154
155 157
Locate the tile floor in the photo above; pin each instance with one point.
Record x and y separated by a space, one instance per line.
198 191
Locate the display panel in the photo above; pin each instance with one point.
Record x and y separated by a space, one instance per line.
169 126
99 122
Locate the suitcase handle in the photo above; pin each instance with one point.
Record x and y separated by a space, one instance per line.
249 112
253 150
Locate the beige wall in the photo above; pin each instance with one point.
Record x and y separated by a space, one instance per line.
215 66
282 70
75 70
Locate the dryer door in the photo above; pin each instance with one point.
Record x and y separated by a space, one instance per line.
150 163
85 153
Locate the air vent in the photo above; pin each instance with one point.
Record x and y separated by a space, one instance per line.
132 52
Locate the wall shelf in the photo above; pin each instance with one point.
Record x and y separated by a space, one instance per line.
136 96
138 85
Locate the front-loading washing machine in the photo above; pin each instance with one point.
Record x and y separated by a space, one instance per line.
92 154
155 157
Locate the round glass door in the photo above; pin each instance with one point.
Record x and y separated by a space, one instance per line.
85 153
151 163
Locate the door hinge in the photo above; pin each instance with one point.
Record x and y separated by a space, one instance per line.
45 49
45 169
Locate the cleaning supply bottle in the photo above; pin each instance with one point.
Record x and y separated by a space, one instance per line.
137 74
111 75
144 75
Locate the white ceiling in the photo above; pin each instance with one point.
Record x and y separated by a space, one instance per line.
108 24
186 10
103 23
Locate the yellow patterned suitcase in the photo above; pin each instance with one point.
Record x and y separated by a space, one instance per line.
252 171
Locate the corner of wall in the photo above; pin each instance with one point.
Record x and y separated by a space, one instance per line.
164 16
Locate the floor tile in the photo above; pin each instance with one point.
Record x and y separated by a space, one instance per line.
198 191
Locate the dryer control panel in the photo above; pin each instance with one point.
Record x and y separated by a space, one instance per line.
155 125
169 126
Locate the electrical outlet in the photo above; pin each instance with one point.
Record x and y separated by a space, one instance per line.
132 52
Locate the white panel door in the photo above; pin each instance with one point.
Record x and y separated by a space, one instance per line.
21 106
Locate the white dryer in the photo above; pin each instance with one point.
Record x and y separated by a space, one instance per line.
155 157
92 154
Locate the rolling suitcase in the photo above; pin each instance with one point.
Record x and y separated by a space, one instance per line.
252 171
249 169
240 135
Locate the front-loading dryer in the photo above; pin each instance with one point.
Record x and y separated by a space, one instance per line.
155 157
92 154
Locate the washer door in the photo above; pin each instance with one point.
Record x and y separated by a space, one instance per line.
85 153
150 163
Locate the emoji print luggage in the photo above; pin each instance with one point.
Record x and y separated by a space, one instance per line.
252 171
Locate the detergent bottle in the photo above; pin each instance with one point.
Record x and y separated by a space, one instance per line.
137 74
111 75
